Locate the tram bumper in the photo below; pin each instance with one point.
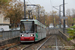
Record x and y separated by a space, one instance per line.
27 39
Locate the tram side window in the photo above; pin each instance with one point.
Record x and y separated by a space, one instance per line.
35 27
38 29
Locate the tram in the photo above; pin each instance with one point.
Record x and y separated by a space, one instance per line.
31 30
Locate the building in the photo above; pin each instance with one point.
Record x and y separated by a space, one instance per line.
4 23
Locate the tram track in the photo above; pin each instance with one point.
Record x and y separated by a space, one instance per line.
21 46
36 44
53 43
11 47
43 44
24 46
18 47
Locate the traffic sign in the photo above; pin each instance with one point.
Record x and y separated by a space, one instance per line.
63 17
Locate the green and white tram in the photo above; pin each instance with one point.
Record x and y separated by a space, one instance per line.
32 30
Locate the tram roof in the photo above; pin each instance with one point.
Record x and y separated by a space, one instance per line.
35 21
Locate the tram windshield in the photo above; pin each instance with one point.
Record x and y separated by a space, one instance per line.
27 27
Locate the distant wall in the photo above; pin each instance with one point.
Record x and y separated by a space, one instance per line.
8 41
65 37
9 37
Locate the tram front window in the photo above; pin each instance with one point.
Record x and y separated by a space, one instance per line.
27 27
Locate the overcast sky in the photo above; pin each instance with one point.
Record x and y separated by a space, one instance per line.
47 4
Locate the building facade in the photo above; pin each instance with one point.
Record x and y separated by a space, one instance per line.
2 20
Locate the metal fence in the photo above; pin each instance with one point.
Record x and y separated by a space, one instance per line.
9 34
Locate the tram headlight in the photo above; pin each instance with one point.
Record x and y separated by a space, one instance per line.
32 35
22 35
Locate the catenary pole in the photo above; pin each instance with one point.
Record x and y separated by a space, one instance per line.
63 16
24 10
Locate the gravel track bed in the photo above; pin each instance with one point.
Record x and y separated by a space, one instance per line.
8 45
36 44
20 46
51 43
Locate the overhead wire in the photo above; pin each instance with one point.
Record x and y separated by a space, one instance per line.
51 5
33 1
29 1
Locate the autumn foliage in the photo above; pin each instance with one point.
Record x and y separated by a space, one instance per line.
14 10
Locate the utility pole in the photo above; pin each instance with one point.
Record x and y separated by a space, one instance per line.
63 16
24 10
59 16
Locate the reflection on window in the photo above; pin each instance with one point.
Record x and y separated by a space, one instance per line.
27 27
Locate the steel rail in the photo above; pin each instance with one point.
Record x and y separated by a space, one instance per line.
43 43
56 44
27 46
11 47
